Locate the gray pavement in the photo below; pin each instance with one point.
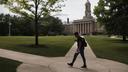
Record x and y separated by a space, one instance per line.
34 63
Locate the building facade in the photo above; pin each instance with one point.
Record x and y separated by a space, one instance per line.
87 25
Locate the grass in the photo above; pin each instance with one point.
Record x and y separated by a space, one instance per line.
105 47
50 46
7 65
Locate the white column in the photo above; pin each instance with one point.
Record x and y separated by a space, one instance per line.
89 27
80 27
84 27
77 27
73 28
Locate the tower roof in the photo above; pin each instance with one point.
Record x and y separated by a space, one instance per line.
88 2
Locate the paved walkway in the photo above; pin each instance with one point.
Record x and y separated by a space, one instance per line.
34 63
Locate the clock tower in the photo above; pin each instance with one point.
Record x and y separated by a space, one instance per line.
87 10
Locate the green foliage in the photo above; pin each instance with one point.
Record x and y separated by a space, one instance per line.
19 25
28 8
25 27
99 11
51 26
34 9
113 14
3 1
22 26
4 24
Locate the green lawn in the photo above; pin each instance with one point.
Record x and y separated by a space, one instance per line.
105 47
51 46
54 46
7 65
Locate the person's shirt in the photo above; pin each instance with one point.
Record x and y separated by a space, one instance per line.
80 42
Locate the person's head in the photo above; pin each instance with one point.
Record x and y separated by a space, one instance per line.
76 34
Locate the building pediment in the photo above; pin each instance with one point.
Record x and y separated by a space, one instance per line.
85 20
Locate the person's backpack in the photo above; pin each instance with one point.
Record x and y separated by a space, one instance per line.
84 42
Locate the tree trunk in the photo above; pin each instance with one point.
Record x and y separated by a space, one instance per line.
36 32
124 37
36 24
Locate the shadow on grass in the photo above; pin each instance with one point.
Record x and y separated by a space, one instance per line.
8 65
33 46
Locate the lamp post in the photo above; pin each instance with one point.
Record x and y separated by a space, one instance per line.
9 29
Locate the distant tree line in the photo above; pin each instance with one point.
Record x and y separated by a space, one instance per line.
23 26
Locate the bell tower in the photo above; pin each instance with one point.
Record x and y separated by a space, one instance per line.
87 10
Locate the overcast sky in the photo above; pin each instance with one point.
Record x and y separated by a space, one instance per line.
73 10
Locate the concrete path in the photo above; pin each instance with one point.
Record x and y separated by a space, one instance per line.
34 63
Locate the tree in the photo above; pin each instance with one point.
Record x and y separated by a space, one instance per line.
22 26
51 26
113 14
4 24
19 25
34 9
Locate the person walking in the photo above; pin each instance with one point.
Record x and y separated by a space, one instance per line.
81 44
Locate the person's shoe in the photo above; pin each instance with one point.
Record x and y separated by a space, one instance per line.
84 66
70 64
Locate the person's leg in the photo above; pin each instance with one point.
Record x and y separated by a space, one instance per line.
83 57
74 58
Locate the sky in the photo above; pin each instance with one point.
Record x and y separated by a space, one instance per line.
74 9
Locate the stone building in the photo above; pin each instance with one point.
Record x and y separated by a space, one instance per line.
87 25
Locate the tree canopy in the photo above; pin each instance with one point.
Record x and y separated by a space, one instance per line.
28 7
113 14
34 9
25 27
51 26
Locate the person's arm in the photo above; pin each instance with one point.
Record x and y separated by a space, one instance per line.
78 48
